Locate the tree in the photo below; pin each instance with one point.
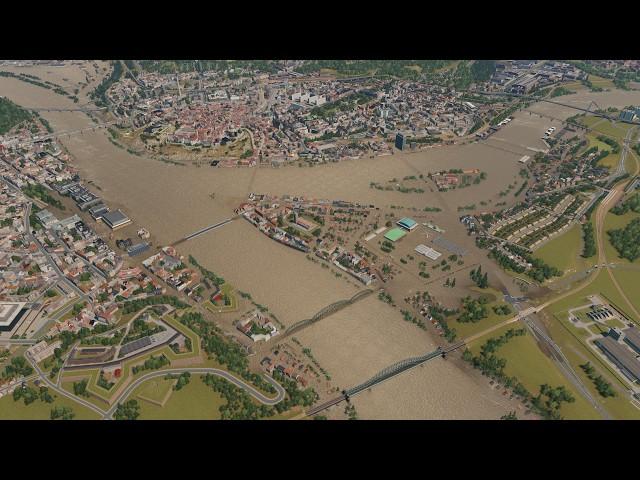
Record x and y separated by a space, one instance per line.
509 416
129 410
62 413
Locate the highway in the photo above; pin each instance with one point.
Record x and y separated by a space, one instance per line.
259 396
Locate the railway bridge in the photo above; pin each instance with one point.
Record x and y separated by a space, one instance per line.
325 312
385 374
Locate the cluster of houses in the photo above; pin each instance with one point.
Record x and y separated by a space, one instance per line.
257 326
289 117
349 262
169 267
452 179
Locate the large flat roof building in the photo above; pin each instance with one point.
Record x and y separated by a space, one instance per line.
395 234
428 252
115 219
10 314
622 356
632 338
407 223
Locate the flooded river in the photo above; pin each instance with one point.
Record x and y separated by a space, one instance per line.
172 201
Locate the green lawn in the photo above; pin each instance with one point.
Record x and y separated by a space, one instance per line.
533 368
38 410
155 389
196 401
605 127
629 281
563 252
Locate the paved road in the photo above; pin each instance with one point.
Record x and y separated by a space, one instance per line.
520 315
18 341
61 391
259 396
50 260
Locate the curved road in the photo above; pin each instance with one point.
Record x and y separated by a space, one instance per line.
259 396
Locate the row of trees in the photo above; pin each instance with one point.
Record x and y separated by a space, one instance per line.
152 363
62 413
481 280
138 304
589 249
99 93
206 273
603 387
38 191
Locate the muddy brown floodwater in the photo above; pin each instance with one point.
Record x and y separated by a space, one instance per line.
354 344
